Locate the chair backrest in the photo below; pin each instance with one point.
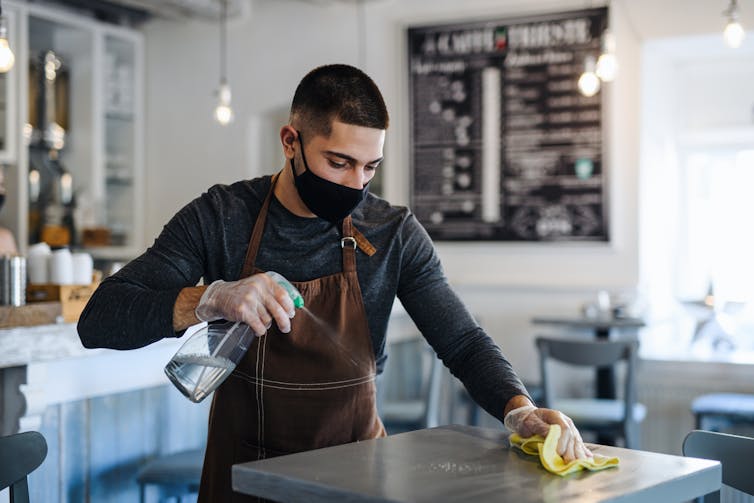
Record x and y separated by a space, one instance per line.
412 373
20 454
734 453
594 353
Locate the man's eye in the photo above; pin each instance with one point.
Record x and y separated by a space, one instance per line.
335 164
371 167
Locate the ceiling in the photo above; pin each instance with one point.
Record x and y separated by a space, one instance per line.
648 18
138 11
676 18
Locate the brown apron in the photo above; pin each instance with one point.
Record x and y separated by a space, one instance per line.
310 388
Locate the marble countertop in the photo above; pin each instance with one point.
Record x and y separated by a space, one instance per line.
24 345
47 343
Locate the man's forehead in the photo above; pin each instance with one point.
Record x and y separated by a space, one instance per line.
342 130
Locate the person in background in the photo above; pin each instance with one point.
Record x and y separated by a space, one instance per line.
7 242
350 253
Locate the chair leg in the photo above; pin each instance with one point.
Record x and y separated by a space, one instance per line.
19 492
631 435
710 498
142 493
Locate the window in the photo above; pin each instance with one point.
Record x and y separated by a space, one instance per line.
697 196
716 240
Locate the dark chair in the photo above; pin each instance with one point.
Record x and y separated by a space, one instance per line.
721 410
20 454
410 388
606 417
177 474
734 453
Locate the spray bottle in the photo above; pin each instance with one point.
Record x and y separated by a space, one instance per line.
208 357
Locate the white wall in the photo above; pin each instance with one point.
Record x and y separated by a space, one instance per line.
279 41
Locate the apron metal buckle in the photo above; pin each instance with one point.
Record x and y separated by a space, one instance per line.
348 239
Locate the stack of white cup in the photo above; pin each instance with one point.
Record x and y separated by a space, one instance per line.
36 263
60 267
83 267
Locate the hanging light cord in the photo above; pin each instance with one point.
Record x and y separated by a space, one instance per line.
732 10
223 45
361 27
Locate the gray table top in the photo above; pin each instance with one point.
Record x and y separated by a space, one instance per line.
467 464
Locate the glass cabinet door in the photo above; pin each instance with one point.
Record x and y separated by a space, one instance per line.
8 94
119 153
111 219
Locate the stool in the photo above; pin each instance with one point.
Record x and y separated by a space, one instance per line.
734 408
179 473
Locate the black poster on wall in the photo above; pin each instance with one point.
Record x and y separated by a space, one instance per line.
503 145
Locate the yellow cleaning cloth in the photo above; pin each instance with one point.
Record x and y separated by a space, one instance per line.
551 460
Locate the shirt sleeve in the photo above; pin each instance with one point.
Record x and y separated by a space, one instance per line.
463 346
134 307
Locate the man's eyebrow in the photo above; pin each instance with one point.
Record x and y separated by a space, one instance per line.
349 158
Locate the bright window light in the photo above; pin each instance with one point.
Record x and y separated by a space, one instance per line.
717 244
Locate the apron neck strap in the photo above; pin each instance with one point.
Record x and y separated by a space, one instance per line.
347 243
256 234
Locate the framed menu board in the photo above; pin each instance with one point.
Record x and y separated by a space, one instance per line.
504 147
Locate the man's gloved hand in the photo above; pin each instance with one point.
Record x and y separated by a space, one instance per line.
255 300
530 420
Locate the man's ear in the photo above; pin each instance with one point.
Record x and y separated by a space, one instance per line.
288 137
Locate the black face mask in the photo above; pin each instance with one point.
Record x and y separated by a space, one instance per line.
324 198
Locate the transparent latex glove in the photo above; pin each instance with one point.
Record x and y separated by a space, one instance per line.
256 300
530 420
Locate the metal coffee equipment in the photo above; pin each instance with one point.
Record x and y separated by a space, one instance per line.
12 280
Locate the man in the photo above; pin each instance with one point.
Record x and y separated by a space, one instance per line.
308 380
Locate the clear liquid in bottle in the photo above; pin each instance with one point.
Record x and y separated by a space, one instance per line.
208 357
197 375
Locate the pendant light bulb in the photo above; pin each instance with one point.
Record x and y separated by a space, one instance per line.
223 111
734 33
6 54
589 83
607 64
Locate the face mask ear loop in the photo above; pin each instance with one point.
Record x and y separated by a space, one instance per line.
303 155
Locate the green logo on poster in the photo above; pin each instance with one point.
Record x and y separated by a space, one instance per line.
584 168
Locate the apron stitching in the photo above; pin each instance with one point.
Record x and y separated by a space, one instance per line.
258 397
264 360
319 389
322 383
297 388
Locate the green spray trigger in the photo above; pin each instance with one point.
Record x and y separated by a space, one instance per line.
298 300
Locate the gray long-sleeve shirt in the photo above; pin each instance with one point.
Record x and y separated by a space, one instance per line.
208 238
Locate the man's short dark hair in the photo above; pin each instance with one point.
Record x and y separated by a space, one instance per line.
337 92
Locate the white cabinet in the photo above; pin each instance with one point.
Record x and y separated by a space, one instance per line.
91 119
